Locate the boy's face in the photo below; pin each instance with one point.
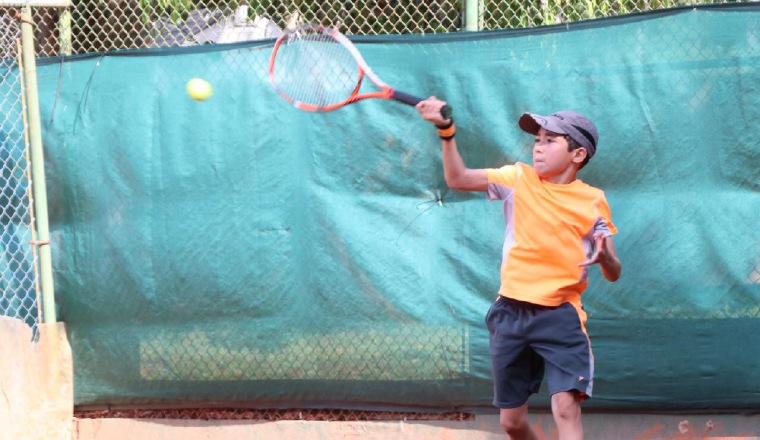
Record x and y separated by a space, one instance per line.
550 155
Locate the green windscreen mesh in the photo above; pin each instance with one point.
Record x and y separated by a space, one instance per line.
239 251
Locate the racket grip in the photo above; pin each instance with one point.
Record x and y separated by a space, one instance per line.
446 110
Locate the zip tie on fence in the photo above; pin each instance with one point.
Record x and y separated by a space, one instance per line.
39 242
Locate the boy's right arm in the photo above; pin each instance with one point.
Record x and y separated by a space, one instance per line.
457 175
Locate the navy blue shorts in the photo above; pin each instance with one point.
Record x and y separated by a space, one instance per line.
528 341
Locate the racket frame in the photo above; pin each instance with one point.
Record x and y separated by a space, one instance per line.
385 91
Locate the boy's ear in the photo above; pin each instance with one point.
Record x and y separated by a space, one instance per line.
579 155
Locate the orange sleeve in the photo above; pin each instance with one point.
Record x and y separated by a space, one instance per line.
504 176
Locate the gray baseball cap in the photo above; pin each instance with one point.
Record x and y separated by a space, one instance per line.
568 122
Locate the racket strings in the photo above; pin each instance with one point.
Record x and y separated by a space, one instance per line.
315 69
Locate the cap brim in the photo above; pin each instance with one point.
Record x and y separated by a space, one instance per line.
528 124
531 123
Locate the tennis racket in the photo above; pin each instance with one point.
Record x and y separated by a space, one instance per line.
318 69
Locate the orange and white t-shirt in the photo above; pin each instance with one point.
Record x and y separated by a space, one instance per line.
549 231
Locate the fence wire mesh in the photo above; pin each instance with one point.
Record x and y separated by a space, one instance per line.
98 26
17 261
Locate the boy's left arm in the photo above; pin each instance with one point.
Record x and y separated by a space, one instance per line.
606 256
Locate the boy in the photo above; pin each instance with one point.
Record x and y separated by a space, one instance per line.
556 226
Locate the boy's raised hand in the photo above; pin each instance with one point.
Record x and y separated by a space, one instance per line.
430 110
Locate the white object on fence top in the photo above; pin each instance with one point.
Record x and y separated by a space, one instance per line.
36 3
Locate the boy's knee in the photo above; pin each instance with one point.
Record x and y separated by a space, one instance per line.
512 426
514 420
566 406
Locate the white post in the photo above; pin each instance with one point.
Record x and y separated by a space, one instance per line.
472 15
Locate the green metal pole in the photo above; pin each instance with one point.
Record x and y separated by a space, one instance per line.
38 167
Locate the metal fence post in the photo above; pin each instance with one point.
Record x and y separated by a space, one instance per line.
38 167
472 15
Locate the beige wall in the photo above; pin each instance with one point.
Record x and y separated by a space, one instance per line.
36 385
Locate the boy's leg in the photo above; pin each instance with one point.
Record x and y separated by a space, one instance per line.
515 423
569 363
566 408
517 369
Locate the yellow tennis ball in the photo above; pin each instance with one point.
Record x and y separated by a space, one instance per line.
199 89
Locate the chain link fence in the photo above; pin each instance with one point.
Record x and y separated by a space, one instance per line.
18 280
99 26
107 25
